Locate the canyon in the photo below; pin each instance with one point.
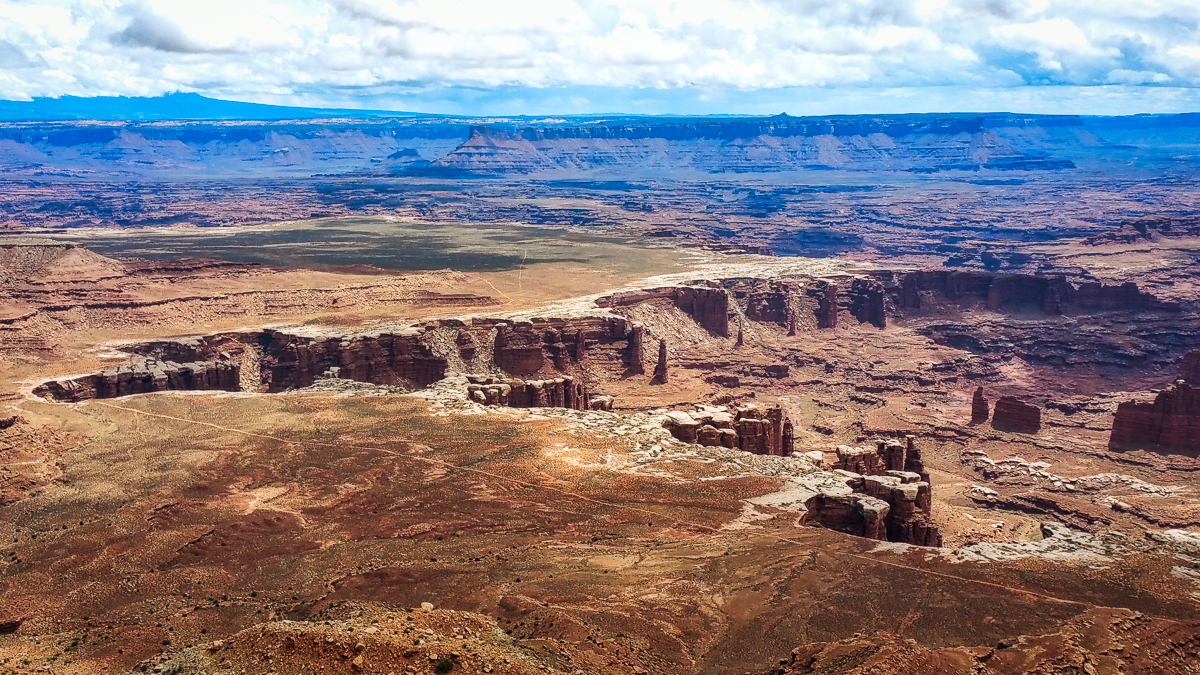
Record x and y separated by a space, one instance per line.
625 395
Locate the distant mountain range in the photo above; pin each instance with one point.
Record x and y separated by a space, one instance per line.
190 136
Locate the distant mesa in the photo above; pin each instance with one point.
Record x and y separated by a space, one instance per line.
188 134
781 143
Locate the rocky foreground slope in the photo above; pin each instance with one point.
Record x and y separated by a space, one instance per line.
698 473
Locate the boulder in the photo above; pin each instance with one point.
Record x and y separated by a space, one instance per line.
709 435
681 425
601 403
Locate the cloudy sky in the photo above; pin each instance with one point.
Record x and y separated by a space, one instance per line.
577 56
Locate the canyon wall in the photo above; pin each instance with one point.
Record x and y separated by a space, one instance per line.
144 376
411 357
706 302
1013 414
910 292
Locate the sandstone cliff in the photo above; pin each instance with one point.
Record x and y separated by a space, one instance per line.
1170 422
913 291
143 377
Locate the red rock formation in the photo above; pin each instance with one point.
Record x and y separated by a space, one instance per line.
558 392
1013 414
867 302
1189 367
637 333
294 360
519 349
145 377
753 428
682 426
1053 295
660 368
856 514
761 430
766 300
827 305
979 407
707 305
892 472
912 459
580 346
1171 422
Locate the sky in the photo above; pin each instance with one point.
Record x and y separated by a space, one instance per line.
542 57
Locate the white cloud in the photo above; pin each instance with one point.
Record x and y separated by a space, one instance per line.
248 47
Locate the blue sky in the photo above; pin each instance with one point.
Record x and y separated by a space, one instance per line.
480 57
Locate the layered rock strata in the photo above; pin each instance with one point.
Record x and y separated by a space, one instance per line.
1013 414
708 305
293 360
410 356
891 495
1050 294
1170 422
145 377
762 430
559 392
779 143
